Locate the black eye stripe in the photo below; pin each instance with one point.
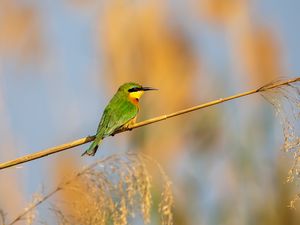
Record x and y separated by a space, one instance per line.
135 89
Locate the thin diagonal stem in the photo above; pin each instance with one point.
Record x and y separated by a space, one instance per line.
81 141
53 192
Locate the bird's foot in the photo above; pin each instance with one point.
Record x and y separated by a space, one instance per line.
90 137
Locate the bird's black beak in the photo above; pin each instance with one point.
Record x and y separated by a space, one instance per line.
148 89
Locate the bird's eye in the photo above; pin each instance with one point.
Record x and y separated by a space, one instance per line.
134 89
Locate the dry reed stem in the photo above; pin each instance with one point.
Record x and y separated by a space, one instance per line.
2 217
81 141
33 206
50 194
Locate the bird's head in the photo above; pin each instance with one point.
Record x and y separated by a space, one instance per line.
134 91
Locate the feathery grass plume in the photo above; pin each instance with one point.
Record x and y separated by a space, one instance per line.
286 102
165 206
167 199
60 216
112 191
32 214
116 190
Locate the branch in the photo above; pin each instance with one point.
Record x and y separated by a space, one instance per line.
81 141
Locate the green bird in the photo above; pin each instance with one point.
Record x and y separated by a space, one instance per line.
120 112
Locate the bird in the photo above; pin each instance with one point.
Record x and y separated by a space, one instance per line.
120 113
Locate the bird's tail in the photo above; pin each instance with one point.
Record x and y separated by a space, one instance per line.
91 151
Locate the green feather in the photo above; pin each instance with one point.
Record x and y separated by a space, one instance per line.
117 113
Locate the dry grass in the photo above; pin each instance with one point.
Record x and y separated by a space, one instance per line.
32 214
286 102
112 191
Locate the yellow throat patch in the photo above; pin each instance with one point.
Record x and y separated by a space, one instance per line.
135 96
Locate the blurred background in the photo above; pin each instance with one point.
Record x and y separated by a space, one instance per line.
62 60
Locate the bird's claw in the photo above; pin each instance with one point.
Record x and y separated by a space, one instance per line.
90 136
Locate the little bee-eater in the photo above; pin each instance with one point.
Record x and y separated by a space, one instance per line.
120 112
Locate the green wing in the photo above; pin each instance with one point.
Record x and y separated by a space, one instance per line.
118 112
